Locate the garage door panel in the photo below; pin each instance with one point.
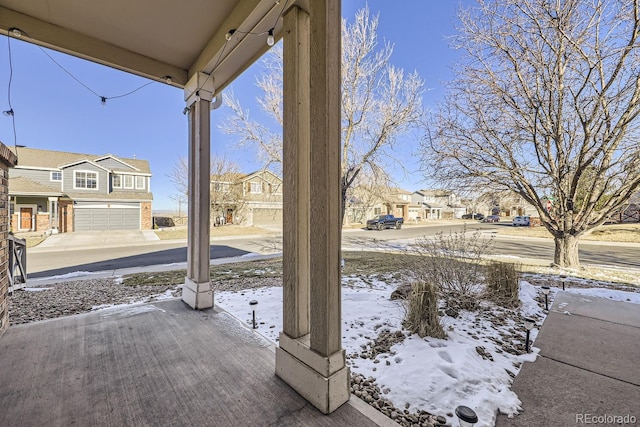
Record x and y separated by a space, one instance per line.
267 216
106 218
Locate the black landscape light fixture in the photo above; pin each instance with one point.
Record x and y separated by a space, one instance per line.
545 291
466 416
529 324
563 278
253 304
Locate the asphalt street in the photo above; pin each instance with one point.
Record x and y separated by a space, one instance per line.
52 263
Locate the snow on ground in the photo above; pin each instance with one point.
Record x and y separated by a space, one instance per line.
435 375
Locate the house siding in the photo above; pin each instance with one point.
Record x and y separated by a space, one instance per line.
69 181
111 163
41 176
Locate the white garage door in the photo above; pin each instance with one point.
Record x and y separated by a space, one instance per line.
267 217
89 217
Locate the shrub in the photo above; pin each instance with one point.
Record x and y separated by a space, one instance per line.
453 262
422 315
503 283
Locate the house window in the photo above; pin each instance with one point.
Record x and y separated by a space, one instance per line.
256 187
116 181
377 211
128 181
222 187
56 176
140 182
86 180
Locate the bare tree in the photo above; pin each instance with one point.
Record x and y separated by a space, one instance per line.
545 103
223 192
368 190
379 103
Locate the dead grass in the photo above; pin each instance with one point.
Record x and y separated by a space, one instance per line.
629 233
385 266
257 268
180 233
34 241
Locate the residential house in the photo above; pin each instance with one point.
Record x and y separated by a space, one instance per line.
251 199
437 204
369 202
56 191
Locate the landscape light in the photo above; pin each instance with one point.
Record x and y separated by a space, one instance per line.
545 291
529 324
466 416
563 280
253 304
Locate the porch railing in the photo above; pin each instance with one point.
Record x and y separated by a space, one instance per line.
17 263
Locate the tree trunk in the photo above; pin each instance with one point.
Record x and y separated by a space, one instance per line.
343 205
566 253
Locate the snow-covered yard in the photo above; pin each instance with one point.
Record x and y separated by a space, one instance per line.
474 366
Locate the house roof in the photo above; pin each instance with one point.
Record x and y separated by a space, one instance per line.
400 191
25 186
51 159
435 193
259 172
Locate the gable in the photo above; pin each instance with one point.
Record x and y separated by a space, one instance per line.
110 162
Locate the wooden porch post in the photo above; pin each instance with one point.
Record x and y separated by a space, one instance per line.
197 291
310 357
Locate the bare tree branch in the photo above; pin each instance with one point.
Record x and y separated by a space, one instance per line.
545 103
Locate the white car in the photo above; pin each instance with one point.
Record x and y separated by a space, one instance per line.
521 220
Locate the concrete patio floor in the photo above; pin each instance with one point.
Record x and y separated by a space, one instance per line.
158 364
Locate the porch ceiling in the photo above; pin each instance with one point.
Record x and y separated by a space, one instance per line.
151 38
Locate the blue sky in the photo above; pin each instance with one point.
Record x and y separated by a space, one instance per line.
54 112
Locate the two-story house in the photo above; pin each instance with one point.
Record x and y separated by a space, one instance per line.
55 191
251 199
438 204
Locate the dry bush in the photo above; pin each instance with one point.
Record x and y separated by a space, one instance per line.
422 315
453 262
503 283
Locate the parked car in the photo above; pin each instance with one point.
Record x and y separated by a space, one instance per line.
521 220
477 216
492 218
381 222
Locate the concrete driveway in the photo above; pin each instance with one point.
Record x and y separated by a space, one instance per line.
96 239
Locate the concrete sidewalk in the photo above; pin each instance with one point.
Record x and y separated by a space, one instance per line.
588 366
97 239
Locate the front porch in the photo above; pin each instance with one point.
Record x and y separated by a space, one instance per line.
152 364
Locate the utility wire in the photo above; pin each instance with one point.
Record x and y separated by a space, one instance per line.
10 112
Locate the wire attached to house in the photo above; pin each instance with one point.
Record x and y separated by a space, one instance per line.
16 32
10 111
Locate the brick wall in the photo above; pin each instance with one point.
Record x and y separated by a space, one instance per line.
145 216
42 222
7 160
65 216
14 222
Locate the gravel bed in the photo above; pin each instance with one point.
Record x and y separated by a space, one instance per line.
81 296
